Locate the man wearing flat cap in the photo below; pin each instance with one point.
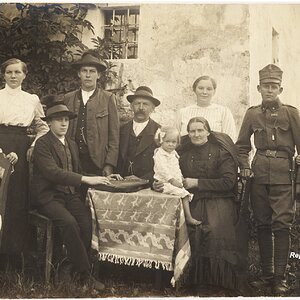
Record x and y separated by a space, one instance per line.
96 130
276 128
55 190
137 136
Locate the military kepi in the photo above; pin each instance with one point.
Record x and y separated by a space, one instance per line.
270 73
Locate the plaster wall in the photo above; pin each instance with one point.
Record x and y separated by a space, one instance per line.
178 43
285 19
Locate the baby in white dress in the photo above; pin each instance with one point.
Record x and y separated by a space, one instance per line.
167 170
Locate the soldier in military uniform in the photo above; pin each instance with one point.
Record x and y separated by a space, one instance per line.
276 129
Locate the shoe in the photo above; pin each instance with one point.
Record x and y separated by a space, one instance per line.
97 285
262 282
280 287
88 280
65 273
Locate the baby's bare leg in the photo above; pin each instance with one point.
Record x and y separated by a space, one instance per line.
188 217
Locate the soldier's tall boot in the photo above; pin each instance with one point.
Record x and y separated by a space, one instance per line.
265 243
281 254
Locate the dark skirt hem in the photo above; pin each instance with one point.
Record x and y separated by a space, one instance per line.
213 271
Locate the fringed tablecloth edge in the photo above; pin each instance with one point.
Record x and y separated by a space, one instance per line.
130 261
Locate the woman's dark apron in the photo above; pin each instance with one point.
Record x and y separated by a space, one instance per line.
15 224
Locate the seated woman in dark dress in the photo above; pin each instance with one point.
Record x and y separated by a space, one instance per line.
209 166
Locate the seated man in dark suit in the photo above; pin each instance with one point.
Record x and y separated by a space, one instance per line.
137 136
55 183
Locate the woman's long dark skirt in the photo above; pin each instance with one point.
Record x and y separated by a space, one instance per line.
15 223
215 259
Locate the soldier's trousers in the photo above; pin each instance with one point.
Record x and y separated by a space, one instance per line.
273 205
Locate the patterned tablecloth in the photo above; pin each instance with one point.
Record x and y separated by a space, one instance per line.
144 228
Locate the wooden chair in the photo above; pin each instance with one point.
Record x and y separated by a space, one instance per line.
5 171
44 223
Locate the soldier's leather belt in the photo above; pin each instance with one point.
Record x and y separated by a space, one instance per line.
274 153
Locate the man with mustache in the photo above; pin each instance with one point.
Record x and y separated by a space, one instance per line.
137 136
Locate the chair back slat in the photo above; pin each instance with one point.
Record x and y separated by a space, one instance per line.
5 171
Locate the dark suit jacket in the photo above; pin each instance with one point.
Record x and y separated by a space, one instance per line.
102 125
49 177
143 161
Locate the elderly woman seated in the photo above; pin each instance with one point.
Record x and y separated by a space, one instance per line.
209 166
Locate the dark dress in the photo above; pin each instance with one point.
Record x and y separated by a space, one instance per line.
14 237
215 258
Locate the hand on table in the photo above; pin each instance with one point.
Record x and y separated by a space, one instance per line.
158 186
94 180
115 177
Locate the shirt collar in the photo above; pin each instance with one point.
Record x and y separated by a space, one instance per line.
139 127
11 91
271 105
140 124
88 93
164 152
61 139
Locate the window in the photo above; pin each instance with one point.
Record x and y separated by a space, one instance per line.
275 46
121 27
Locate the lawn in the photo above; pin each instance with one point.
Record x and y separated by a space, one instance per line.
125 281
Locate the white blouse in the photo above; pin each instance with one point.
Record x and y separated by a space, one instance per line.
19 108
218 116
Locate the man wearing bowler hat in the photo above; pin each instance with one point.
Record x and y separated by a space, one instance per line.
137 136
96 130
55 183
276 128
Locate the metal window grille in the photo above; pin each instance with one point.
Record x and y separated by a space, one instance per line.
121 28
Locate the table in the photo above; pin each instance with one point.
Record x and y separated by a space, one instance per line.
143 228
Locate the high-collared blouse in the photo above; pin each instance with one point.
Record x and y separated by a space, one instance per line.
218 116
19 108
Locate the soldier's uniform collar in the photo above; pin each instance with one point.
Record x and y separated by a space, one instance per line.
271 105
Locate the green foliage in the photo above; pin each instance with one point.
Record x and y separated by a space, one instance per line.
46 38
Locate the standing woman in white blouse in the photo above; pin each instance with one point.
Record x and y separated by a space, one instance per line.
218 116
18 110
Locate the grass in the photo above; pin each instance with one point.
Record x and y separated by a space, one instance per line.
124 281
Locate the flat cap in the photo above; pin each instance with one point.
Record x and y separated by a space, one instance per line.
270 73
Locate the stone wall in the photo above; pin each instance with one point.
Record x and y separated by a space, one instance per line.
178 43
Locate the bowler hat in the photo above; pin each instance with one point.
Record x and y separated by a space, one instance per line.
89 59
56 109
143 92
270 73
